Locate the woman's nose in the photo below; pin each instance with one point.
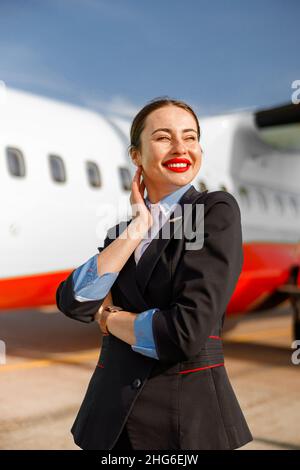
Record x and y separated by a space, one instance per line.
179 147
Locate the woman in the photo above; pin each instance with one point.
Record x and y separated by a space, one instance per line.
161 382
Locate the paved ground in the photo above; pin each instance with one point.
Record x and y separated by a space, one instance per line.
50 359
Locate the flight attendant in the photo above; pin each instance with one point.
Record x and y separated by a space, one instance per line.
160 298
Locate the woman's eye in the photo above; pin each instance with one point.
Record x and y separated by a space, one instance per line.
191 137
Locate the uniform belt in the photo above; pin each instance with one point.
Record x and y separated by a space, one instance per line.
209 357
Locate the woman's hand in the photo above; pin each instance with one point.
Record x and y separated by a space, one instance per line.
98 317
107 301
139 208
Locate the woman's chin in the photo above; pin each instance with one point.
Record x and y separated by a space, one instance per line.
179 178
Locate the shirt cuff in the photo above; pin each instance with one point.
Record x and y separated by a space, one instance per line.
87 283
144 334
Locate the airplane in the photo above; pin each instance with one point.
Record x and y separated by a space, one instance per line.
61 162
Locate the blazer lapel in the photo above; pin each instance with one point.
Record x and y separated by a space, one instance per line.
132 299
153 252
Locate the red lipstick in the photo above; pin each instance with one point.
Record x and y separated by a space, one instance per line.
184 164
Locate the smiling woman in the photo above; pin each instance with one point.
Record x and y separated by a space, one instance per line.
161 382
163 150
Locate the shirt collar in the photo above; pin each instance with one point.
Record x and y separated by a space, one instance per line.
167 203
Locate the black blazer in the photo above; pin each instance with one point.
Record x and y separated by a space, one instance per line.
184 400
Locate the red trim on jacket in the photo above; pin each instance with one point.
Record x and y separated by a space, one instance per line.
200 368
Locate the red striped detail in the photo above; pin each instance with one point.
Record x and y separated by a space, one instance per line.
201 368
215 337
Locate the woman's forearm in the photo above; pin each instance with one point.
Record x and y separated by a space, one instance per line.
121 325
112 259
116 254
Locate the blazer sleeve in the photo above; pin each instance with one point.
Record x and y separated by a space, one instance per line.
65 295
203 283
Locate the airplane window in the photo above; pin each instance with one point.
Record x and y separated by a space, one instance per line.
125 178
262 199
243 192
279 202
15 162
294 204
93 174
57 168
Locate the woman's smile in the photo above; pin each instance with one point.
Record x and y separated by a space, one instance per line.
179 165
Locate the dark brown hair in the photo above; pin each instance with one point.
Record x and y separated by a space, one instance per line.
138 123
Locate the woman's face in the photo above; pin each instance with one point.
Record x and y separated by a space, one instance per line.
170 133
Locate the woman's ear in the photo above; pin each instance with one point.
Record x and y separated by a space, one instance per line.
135 157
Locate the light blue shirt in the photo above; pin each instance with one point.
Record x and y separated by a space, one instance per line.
88 285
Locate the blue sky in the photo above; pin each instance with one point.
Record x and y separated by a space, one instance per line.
218 55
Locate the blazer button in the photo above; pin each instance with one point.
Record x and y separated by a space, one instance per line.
136 383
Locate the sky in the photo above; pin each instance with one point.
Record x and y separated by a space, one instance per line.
115 55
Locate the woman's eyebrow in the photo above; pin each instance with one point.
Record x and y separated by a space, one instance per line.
161 129
165 129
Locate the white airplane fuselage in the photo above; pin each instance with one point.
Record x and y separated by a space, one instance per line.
50 227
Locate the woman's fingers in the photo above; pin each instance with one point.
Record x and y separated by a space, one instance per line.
137 202
137 187
135 179
108 299
134 187
141 182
